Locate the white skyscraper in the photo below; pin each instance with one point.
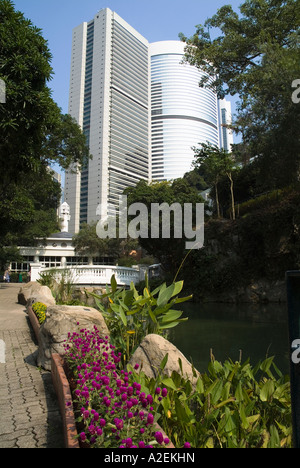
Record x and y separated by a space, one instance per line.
226 134
183 114
110 99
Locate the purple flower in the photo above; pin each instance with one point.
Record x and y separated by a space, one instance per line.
157 391
164 392
150 399
142 444
102 422
129 442
187 445
159 437
150 418
82 437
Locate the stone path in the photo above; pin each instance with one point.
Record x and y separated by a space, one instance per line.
29 412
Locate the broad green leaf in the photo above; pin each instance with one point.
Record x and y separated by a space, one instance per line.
181 412
209 443
200 385
171 315
252 419
168 325
230 424
267 390
239 393
164 361
168 382
274 438
123 316
180 300
166 294
177 288
216 392
113 283
153 318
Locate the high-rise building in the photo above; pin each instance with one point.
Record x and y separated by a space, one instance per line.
110 99
226 134
183 114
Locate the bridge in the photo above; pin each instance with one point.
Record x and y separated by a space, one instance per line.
99 275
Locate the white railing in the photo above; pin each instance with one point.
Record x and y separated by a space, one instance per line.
91 275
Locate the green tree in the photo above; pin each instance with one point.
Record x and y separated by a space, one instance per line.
34 132
255 55
216 163
87 243
169 252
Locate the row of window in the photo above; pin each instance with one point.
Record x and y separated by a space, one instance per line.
55 262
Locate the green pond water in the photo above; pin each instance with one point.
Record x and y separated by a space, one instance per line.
255 331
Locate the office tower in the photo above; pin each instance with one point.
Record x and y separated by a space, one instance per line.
226 134
183 114
110 99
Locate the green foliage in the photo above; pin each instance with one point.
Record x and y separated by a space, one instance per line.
88 243
169 252
34 132
232 405
47 278
40 310
131 316
255 56
61 283
216 163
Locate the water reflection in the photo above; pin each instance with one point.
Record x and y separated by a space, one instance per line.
256 331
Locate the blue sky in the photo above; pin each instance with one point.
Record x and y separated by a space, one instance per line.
156 20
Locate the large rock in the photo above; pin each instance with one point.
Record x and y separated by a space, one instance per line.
34 292
60 321
151 353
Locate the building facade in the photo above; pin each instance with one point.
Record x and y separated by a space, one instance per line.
183 114
226 135
110 99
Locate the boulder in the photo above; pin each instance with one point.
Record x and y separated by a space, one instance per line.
152 351
60 321
34 292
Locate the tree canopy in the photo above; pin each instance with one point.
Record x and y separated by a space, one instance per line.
34 131
169 252
255 55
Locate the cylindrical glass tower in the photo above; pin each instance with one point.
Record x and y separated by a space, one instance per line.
183 114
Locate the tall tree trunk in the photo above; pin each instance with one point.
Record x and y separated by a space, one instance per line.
217 201
232 195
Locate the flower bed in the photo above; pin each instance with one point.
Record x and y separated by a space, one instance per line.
64 395
34 322
113 411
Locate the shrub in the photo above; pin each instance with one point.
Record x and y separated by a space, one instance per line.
40 310
131 316
233 405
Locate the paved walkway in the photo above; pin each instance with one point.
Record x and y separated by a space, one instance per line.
29 413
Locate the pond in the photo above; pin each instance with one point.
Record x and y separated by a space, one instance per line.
229 330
